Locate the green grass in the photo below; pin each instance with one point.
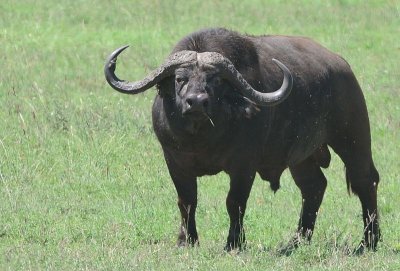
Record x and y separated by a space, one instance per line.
83 184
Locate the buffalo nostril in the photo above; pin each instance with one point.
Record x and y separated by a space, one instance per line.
196 102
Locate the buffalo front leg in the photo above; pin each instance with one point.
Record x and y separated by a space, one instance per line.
186 188
187 203
312 183
240 187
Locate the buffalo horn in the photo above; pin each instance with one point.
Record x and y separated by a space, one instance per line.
208 58
165 70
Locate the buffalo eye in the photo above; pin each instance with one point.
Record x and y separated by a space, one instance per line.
216 80
180 80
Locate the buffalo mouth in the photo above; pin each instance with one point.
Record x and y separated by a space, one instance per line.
197 118
195 115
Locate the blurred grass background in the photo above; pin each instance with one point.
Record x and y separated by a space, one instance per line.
83 184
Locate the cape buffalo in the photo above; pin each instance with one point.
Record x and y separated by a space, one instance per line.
225 102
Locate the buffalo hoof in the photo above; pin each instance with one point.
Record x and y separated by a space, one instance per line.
236 243
293 244
229 247
181 243
289 249
360 249
184 241
363 247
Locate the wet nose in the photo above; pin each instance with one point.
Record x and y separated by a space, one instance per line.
197 102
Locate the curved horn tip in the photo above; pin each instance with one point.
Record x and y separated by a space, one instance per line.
276 61
112 58
118 51
283 67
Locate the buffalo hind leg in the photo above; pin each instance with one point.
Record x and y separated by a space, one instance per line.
312 184
365 187
362 179
240 187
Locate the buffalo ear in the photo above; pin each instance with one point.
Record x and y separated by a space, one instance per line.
248 108
241 106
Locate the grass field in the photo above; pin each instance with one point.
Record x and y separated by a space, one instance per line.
83 183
